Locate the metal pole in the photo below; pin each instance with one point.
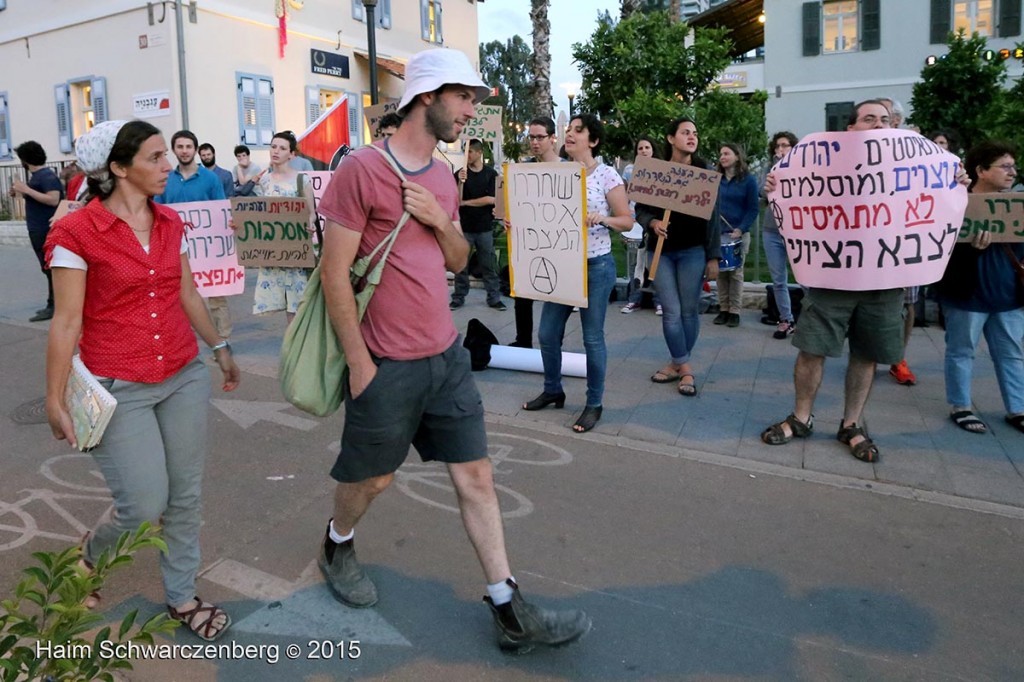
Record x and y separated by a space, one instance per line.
371 42
182 84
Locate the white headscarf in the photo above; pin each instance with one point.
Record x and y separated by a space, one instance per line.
93 152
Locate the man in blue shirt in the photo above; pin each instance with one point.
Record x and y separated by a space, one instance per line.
208 155
42 193
191 182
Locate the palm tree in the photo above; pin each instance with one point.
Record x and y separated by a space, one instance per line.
542 102
628 7
675 10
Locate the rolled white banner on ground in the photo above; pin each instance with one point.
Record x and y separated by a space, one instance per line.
529 360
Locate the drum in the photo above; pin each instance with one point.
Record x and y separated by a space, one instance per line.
732 256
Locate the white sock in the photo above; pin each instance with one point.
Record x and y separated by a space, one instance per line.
338 538
501 593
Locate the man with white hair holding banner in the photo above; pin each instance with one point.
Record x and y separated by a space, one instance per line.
863 216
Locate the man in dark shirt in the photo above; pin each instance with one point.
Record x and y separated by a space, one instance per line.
476 213
208 155
42 193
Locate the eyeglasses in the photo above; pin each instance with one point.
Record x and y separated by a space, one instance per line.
871 119
538 138
1008 167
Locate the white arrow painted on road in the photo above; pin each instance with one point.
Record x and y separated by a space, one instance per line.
303 608
245 413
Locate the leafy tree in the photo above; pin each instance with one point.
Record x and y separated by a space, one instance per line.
507 66
1006 117
642 71
960 91
727 117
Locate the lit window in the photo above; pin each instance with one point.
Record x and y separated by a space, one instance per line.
974 16
839 21
430 21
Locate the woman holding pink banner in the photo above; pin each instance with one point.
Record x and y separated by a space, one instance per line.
982 291
690 253
125 295
282 288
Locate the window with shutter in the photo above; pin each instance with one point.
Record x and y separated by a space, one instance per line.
1009 18
871 25
840 32
355 120
812 28
5 128
312 104
255 109
430 21
942 22
974 16
358 11
384 14
836 115
98 90
63 101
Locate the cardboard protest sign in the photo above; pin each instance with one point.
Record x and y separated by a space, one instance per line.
546 204
674 186
273 232
374 113
211 247
485 126
865 210
1002 214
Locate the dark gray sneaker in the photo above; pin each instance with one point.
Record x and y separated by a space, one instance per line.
522 626
345 577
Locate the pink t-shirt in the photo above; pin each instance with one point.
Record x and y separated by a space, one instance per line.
408 316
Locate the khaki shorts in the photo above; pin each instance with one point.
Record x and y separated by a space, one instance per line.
431 404
872 320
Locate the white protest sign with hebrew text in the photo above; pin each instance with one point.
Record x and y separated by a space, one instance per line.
546 204
211 247
866 210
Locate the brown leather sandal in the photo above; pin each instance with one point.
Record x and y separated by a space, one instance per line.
776 435
865 450
204 626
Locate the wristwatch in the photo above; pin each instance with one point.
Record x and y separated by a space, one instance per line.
222 344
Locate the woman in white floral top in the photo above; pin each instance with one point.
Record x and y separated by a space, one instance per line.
282 288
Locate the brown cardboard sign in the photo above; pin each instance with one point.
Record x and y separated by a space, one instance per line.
273 232
674 186
1001 214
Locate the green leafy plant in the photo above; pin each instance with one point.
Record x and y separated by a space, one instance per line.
47 614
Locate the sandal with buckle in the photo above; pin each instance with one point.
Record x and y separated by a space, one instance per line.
865 450
666 375
690 389
968 421
201 619
776 435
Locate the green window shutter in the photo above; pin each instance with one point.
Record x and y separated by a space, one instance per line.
812 28
870 25
1009 18
942 21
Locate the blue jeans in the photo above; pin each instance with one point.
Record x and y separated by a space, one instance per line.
553 316
678 281
1003 333
775 253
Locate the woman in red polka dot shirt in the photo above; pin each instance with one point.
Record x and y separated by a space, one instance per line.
124 293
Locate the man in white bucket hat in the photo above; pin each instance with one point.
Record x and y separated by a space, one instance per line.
409 380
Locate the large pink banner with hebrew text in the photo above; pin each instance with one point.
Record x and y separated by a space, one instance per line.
867 210
211 247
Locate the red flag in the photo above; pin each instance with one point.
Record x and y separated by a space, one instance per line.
327 140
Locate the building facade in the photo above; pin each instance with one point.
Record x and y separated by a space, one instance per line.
230 74
823 56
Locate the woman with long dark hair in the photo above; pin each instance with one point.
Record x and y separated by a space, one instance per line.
737 201
607 209
125 295
690 253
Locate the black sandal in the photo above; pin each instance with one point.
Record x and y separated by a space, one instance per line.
968 421
196 620
1016 421
588 418
776 435
866 450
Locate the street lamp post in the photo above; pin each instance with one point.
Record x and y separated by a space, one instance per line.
572 96
371 43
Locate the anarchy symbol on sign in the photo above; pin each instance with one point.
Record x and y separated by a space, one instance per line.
543 275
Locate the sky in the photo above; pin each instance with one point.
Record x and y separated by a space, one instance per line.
572 21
